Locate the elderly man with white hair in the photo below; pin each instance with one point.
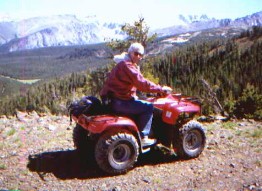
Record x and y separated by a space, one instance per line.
121 86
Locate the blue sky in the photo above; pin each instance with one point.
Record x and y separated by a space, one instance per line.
156 12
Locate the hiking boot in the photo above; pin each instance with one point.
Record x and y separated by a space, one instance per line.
147 142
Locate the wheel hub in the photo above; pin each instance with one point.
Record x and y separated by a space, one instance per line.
121 153
193 140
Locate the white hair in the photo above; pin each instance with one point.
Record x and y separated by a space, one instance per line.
136 47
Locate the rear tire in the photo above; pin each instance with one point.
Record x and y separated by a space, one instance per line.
191 140
116 152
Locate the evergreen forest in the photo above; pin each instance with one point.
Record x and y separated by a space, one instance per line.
224 74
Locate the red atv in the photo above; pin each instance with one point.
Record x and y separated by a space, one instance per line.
115 142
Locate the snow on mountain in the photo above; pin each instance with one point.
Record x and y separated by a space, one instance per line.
193 18
195 23
182 38
250 20
56 31
64 30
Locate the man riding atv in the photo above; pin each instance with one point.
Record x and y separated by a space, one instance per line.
120 90
116 132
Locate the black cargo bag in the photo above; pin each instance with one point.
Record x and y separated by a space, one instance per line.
88 105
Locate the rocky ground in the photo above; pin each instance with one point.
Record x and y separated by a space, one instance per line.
37 153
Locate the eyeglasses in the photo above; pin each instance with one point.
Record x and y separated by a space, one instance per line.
137 53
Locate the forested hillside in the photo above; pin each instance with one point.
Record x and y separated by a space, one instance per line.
223 69
227 71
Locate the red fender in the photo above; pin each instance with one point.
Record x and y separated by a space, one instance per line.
171 112
100 123
173 105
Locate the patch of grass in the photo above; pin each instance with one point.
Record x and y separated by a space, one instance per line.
29 81
22 128
14 189
18 142
258 163
24 172
238 132
257 133
2 167
257 148
157 181
229 125
210 128
253 133
11 132
230 137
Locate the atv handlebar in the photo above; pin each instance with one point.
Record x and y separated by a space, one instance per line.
167 90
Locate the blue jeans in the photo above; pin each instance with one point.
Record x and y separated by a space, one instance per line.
140 111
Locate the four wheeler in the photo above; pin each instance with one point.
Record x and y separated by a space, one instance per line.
115 142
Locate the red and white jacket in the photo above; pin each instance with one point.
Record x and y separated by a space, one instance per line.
125 79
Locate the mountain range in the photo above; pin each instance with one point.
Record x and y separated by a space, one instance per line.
67 30
198 23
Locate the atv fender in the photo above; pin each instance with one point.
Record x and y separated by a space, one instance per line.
172 111
100 123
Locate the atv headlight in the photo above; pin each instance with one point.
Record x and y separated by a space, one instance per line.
186 115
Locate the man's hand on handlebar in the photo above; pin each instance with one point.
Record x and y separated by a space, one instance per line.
166 90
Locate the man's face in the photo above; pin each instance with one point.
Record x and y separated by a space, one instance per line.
136 57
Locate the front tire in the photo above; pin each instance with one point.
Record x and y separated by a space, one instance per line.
116 152
191 140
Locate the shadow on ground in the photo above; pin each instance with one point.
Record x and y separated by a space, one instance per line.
64 165
70 164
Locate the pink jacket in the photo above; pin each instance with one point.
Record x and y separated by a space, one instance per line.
125 79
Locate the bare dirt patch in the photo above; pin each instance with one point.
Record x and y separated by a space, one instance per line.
37 153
